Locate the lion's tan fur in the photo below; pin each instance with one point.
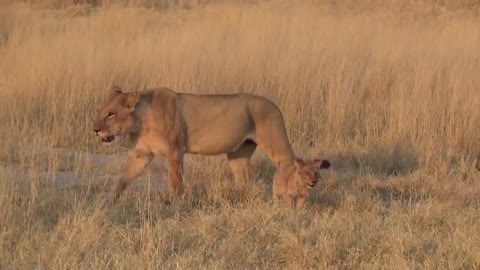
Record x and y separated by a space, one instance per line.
164 122
292 181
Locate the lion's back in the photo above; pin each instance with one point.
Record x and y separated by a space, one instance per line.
214 124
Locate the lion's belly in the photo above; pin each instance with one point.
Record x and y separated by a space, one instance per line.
221 137
215 142
216 125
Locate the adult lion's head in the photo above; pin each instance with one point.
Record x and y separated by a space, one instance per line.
115 116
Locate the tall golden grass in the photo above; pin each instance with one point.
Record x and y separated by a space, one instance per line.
390 97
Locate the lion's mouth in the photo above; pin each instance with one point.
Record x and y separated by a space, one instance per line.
108 139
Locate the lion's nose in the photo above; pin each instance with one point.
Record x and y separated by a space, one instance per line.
96 130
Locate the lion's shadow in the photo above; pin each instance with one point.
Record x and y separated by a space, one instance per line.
399 159
381 161
351 168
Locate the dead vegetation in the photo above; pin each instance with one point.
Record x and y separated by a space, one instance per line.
389 95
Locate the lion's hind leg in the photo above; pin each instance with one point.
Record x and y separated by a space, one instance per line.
175 175
239 162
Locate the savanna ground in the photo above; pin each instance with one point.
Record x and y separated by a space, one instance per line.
390 93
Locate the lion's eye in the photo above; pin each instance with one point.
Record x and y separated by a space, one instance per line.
110 115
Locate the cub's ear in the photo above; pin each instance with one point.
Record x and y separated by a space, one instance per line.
321 164
131 100
299 163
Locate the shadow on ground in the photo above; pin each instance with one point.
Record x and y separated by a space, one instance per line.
368 173
399 159
351 172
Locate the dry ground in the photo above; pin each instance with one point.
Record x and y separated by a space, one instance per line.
389 94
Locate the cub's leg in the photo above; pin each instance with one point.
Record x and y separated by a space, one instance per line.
175 174
276 194
289 201
239 162
138 160
300 201
277 198
477 165
279 187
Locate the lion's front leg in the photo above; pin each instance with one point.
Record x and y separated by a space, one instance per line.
175 174
138 160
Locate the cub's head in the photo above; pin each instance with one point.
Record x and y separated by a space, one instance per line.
114 117
307 171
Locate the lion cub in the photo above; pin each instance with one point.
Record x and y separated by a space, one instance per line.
292 181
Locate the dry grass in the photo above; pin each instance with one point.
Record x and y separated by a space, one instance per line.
391 98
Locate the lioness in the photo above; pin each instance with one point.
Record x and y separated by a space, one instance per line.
292 181
171 124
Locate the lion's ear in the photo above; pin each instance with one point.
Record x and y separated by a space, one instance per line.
131 100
